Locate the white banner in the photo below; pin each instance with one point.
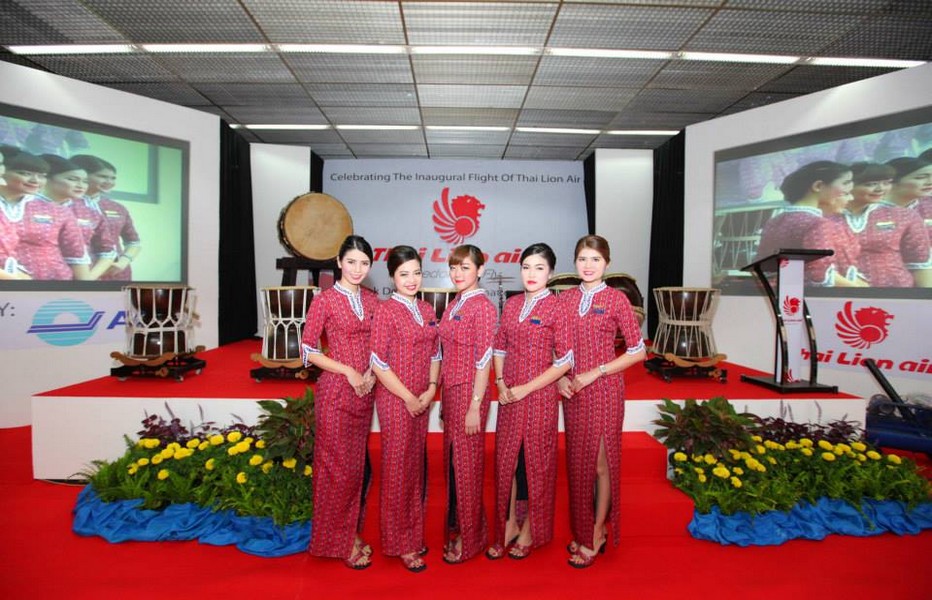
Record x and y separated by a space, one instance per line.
790 290
895 333
499 206
33 319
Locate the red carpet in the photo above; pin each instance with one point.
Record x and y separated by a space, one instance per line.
227 375
41 558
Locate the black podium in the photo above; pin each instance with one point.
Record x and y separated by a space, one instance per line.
792 316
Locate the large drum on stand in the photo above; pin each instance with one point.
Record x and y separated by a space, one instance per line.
684 333
284 310
438 298
160 320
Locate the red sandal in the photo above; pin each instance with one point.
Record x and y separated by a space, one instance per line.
358 560
519 551
413 562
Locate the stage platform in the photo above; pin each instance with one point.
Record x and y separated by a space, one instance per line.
75 425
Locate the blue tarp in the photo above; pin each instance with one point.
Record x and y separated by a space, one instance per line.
811 522
123 520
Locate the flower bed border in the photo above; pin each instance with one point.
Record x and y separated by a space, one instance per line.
123 520
811 522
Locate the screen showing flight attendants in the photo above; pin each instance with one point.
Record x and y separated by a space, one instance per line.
89 206
862 190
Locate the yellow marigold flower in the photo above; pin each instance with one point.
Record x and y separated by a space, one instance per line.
699 471
745 455
805 443
736 482
792 445
249 440
234 436
761 468
151 443
702 479
757 438
242 447
826 445
709 459
209 465
771 460
232 450
770 445
193 443
806 451
289 463
132 469
873 455
738 471
696 458
734 453
142 462
260 444
255 460
163 474
267 466
679 457
844 447
894 459
839 449
760 449
216 439
167 453
174 445
862 457
183 453
156 459
308 470
828 456
858 446
721 471
203 445
241 478
780 447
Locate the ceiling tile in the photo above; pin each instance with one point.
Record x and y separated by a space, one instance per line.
234 68
350 68
595 72
103 68
631 27
328 21
684 101
499 70
469 117
389 150
575 119
174 92
700 75
543 153
480 138
806 79
301 115
32 22
253 93
475 23
483 96
578 98
466 151
359 94
355 115
178 21
566 140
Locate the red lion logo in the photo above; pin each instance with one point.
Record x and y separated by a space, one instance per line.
791 305
864 327
457 219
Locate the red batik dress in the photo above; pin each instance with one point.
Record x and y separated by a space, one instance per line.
99 237
50 240
405 339
9 240
121 224
343 418
893 243
532 337
595 413
805 227
467 331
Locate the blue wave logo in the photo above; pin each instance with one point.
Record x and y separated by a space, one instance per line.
78 325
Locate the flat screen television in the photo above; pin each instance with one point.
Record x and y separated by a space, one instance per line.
151 185
748 194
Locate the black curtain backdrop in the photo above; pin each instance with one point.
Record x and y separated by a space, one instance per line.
316 184
589 189
666 231
237 269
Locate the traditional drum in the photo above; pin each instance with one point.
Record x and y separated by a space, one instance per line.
159 320
438 298
313 226
685 324
629 287
563 281
736 236
284 310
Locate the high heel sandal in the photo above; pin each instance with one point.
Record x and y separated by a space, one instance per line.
519 551
413 562
451 554
585 560
497 551
357 560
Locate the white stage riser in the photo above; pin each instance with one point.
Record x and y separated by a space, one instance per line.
68 433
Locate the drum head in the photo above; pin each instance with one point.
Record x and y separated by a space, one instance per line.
314 225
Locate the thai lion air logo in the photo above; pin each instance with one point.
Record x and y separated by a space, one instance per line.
791 306
864 327
456 219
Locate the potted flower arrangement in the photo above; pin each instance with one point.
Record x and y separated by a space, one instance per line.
259 473
798 475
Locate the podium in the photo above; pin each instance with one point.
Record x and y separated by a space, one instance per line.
793 320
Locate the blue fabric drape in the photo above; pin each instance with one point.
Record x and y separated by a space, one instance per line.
811 522
123 520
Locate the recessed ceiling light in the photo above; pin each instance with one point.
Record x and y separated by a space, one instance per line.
557 130
203 48
379 127
287 127
342 48
465 128
502 50
666 132
833 61
739 58
74 49
607 53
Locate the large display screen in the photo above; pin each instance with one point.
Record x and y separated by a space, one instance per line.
863 190
89 206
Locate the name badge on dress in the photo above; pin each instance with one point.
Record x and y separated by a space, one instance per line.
598 310
886 225
41 218
432 324
457 318
536 321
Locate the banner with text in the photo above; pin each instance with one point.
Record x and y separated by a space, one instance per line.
499 206
37 319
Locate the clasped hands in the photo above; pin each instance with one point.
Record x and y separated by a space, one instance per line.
568 388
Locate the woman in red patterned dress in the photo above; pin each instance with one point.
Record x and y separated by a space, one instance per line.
50 245
343 406
531 353
406 363
9 240
101 179
594 409
66 186
467 331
